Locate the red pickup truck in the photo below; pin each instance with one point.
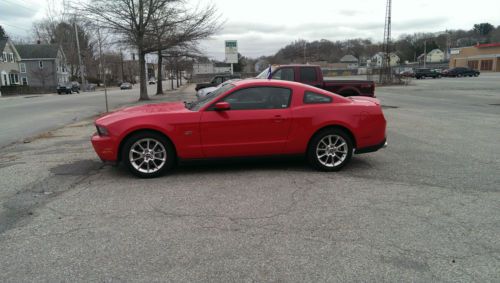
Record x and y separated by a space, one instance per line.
312 75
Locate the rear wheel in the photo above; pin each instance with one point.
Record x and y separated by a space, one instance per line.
330 150
148 154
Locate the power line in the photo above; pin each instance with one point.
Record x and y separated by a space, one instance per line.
21 6
15 27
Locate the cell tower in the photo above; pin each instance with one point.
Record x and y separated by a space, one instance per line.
386 76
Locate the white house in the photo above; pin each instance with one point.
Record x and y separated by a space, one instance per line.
377 59
203 68
9 63
435 56
351 61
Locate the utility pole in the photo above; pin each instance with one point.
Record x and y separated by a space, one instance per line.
121 59
102 69
80 66
386 71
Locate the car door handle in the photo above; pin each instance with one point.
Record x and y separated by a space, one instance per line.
278 119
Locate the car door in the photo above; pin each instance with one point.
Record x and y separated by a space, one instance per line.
257 123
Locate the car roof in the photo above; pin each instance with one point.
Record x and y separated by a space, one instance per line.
279 83
267 82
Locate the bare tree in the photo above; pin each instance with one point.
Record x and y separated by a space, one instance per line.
150 25
42 75
131 20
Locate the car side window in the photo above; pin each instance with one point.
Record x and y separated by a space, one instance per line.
259 98
284 74
316 98
308 74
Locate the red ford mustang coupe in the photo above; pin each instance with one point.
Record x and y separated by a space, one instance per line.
248 118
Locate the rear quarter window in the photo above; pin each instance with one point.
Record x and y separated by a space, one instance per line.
316 98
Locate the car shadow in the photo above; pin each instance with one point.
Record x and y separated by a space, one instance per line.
289 164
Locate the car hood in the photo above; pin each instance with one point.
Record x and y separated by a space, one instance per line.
142 110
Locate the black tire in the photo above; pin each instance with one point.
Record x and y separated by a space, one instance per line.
314 148
170 157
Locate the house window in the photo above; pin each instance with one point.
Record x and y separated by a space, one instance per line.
24 80
486 65
22 66
40 64
4 56
10 57
14 79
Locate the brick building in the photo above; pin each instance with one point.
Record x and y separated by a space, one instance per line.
482 57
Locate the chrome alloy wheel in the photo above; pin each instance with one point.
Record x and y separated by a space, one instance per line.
332 150
148 155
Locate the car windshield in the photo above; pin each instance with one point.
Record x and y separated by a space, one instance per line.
195 106
265 73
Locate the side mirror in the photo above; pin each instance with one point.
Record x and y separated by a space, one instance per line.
222 106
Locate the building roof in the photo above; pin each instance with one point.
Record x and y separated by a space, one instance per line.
37 51
435 50
488 45
3 42
349 59
219 65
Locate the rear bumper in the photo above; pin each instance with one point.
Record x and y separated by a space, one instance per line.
105 147
372 148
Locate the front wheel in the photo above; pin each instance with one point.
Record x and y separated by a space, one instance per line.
330 150
148 154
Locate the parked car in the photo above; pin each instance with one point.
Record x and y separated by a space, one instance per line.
126 86
462 72
206 91
407 74
422 73
217 80
68 88
247 118
312 75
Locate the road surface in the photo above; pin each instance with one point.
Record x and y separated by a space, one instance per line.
29 115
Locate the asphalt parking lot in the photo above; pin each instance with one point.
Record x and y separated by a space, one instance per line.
424 209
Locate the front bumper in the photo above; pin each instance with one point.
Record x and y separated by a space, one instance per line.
372 148
105 147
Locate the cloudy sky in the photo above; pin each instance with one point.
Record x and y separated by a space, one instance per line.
263 26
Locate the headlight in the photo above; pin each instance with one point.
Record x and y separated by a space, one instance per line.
101 130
